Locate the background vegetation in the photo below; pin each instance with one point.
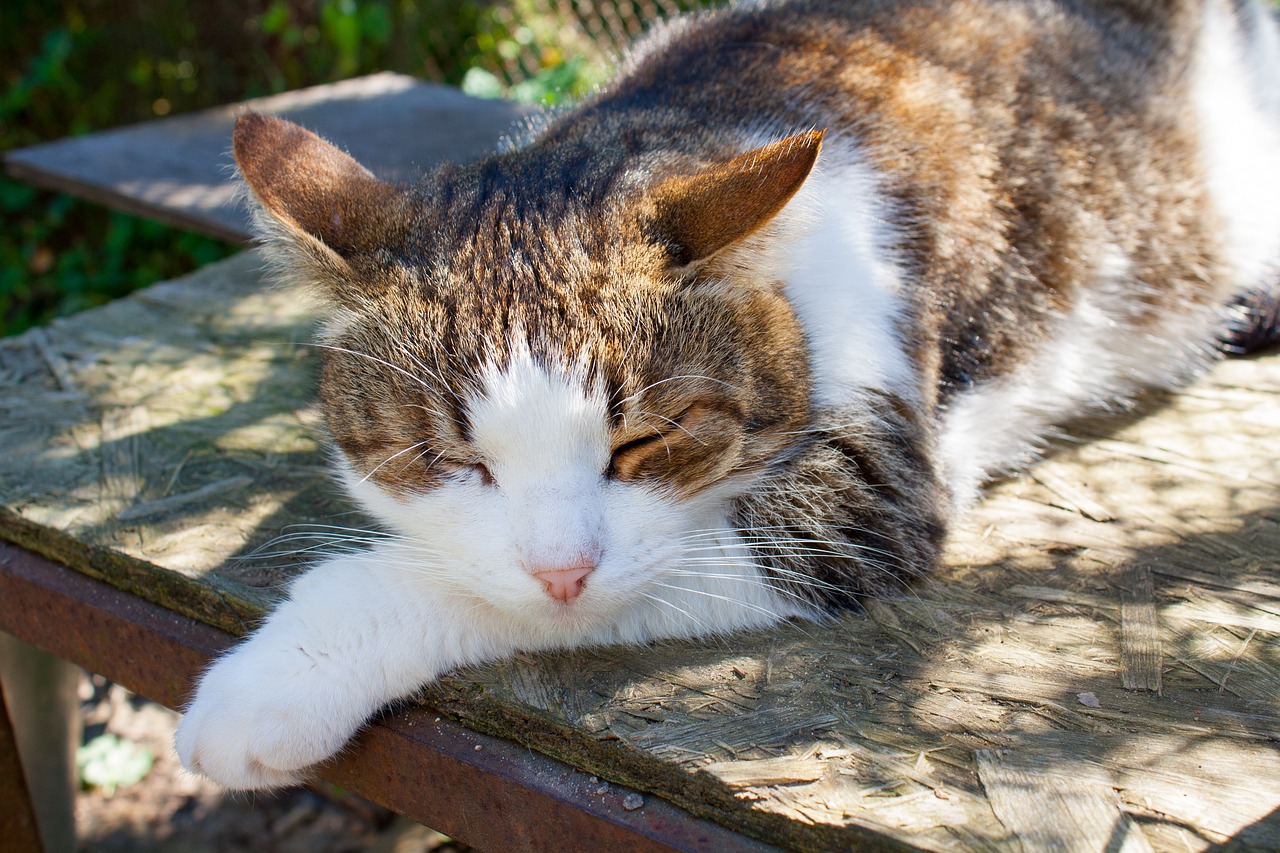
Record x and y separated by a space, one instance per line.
74 66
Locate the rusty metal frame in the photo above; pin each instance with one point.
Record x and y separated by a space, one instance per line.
484 791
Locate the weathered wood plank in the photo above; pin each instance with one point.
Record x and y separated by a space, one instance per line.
178 170
1141 657
1057 805
861 731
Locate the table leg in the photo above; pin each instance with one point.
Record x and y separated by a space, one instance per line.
39 733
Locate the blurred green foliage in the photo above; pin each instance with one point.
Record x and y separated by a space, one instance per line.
110 762
70 67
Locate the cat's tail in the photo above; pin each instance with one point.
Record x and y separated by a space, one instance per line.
1257 324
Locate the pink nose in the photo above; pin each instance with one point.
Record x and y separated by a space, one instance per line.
564 583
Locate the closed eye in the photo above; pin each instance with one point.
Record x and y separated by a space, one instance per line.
627 457
694 447
469 469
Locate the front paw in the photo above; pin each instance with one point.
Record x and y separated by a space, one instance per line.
261 719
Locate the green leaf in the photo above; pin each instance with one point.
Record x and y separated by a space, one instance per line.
375 24
276 18
109 762
549 86
481 84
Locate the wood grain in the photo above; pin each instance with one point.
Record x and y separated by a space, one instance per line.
1141 657
1057 805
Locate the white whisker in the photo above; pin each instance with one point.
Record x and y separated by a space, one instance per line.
418 379
675 424
391 457
653 385
734 601
660 600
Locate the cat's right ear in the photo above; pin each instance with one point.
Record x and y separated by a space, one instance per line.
322 204
698 215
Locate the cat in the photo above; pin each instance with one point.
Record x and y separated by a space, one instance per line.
738 337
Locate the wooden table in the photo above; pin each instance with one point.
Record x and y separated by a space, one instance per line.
1098 662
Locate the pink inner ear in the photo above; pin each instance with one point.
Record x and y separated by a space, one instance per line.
309 184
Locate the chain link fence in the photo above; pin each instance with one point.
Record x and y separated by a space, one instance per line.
516 41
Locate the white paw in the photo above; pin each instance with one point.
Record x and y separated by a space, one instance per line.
263 716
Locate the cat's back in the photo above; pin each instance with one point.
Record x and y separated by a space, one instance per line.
775 57
965 104
1031 149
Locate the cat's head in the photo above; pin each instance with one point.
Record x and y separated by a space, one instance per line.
547 372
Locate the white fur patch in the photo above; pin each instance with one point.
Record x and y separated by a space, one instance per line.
1096 357
545 438
1237 97
832 246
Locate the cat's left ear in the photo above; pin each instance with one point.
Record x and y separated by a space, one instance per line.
698 215
327 203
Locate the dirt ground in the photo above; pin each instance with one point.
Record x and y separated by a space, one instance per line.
172 811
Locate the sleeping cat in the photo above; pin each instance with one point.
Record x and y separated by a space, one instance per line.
737 338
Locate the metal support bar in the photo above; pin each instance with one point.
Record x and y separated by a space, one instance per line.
484 791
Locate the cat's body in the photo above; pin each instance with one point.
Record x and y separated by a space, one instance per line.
657 373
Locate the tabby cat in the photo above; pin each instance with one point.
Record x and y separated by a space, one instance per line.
737 338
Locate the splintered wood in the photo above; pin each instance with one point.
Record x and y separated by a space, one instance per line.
1140 658
1057 804
1096 667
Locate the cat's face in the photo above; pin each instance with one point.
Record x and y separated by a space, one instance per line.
552 400
534 419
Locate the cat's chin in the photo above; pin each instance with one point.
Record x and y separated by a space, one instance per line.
568 622
573 622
